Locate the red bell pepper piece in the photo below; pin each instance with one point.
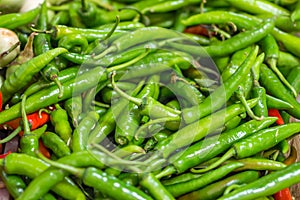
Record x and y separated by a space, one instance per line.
275 113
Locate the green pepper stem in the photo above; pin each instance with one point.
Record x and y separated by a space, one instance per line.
11 135
118 159
26 126
128 150
230 153
272 63
113 28
42 31
136 101
241 97
100 104
60 88
145 19
110 49
155 121
167 171
76 171
231 188
129 63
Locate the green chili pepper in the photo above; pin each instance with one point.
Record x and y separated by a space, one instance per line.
64 76
13 183
273 102
253 163
219 17
184 177
138 36
195 184
293 78
72 41
241 40
259 7
289 41
233 123
73 106
49 96
41 40
60 121
60 31
129 120
275 88
219 97
14 20
186 91
154 187
188 135
260 141
62 17
22 164
287 61
56 144
81 133
212 146
38 186
271 50
261 109
149 106
23 75
29 143
110 185
267 185
107 123
216 190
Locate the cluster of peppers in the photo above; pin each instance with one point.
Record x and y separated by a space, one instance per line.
152 99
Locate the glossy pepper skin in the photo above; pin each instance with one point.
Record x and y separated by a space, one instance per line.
215 190
267 185
14 20
188 186
111 186
22 164
273 86
204 150
222 94
60 121
24 74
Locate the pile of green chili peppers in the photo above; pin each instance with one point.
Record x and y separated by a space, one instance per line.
151 99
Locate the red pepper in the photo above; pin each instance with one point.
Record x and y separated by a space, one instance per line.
4 155
0 101
284 194
275 113
43 149
35 120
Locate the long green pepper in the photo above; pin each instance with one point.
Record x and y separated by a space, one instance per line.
24 74
222 94
267 185
210 147
256 143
